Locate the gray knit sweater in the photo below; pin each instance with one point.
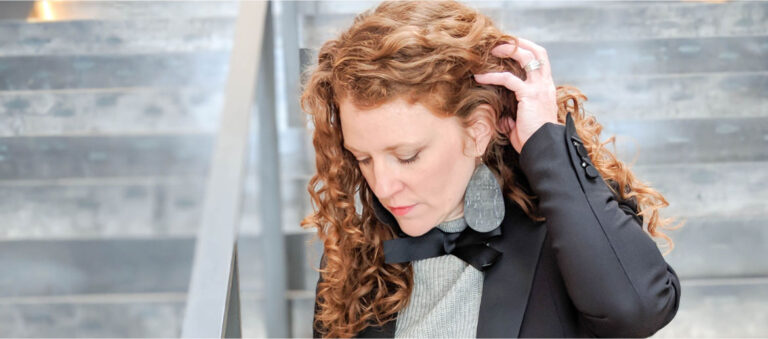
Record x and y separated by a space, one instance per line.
445 301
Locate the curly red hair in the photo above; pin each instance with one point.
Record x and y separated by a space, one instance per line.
425 52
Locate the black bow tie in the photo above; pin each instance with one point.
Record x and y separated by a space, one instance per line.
469 245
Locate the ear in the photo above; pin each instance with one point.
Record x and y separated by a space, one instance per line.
481 128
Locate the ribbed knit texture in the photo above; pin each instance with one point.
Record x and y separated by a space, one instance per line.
445 301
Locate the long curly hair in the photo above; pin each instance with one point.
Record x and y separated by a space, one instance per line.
425 52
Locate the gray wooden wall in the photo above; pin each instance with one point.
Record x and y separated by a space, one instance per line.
107 119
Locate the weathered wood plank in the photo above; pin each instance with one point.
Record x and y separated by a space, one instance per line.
203 69
103 209
118 111
684 141
84 320
573 61
98 266
720 247
724 190
694 96
627 20
137 36
34 158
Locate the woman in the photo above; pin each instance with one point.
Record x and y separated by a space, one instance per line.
488 206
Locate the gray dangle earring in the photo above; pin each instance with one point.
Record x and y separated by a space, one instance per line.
483 201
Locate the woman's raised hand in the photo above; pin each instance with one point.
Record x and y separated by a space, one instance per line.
537 98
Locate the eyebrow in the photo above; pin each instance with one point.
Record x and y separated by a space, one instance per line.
388 148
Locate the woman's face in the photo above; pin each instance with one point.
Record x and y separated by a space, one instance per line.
413 160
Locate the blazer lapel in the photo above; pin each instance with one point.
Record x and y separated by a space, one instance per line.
507 283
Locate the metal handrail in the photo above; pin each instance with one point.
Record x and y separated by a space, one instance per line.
212 308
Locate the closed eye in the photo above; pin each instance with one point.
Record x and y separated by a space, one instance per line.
402 161
411 160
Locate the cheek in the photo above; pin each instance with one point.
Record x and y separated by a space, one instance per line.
440 181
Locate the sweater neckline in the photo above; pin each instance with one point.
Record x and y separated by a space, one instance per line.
453 226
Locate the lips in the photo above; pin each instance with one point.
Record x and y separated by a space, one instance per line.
402 210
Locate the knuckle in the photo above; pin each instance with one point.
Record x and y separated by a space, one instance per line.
498 77
528 54
507 49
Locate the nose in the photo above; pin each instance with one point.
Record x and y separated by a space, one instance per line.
386 182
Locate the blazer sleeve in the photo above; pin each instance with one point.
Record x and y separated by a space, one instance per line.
613 270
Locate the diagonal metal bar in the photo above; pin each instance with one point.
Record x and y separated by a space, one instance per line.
272 242
213 271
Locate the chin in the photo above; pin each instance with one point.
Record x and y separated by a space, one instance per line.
414 229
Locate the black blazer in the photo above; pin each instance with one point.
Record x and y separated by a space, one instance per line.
589 270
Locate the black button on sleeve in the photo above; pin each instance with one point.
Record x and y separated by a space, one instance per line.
591 171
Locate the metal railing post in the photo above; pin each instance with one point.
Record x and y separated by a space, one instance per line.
214 282
272 242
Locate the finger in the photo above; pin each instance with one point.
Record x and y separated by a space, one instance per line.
519 53
510 125
522 55
539 52
506 79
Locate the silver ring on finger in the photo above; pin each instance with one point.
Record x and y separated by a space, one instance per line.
533 65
